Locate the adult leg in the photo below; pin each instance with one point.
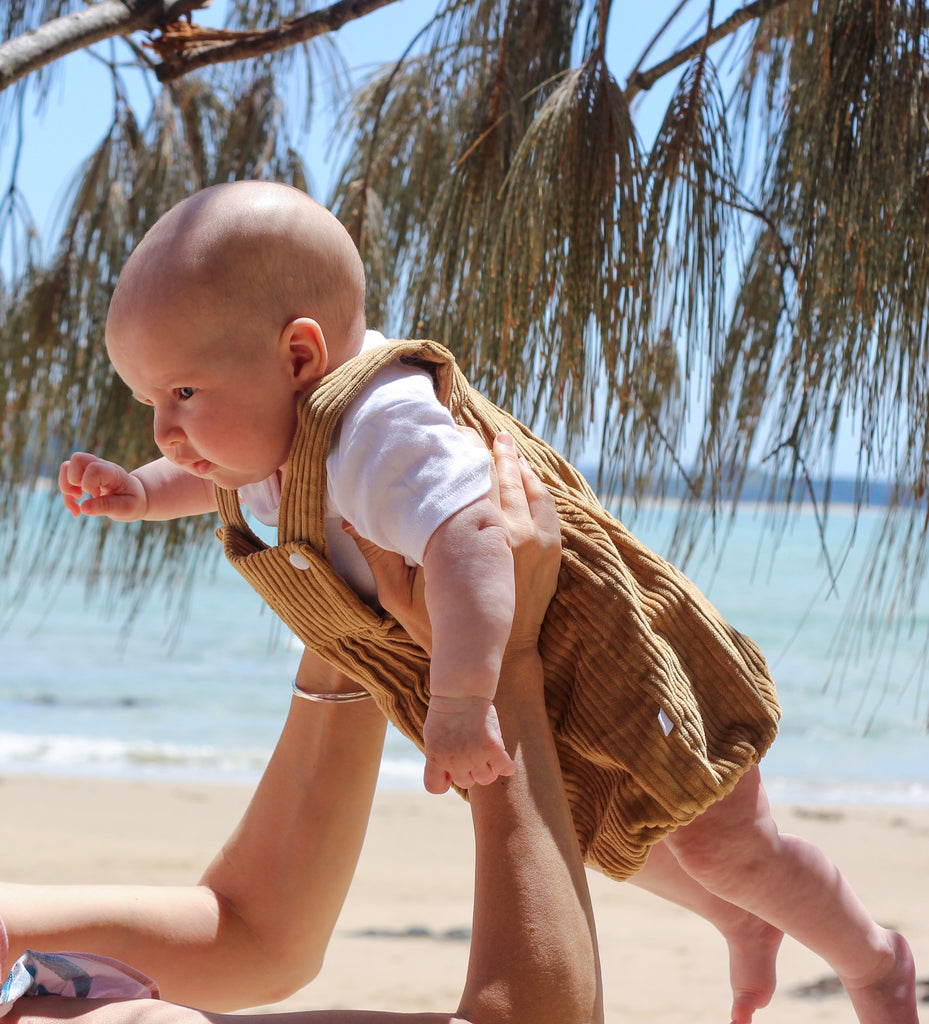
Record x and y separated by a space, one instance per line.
734 849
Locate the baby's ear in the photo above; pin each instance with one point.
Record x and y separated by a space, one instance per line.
303 346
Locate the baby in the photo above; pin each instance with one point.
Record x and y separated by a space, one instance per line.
224 380
240 319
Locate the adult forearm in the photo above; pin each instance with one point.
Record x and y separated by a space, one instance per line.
283 876
274 891
534 954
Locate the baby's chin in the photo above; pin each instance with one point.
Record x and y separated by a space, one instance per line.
232 480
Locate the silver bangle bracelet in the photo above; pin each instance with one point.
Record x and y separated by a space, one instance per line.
330 698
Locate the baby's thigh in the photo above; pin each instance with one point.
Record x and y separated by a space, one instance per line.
729 834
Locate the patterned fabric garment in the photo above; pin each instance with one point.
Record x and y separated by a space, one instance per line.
81 975
658 706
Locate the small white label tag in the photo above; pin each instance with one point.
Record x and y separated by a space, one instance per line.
666 724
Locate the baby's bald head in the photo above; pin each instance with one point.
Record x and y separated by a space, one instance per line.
254 255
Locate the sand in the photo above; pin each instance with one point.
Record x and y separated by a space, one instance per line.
402 940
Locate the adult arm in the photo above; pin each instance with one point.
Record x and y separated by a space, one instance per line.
533 956
533 953
532 908
272 893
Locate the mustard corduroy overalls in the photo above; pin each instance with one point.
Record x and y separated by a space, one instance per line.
630 646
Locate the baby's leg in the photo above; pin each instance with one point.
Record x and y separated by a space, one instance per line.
753 943
735 850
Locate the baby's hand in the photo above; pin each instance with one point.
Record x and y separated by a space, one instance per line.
113 491
464 745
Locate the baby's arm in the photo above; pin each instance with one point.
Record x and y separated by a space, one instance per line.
158 490
469 590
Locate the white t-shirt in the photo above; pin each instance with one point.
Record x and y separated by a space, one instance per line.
396 470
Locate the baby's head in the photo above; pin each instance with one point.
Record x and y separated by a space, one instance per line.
253 254
248 290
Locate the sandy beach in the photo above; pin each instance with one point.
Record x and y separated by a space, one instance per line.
402 941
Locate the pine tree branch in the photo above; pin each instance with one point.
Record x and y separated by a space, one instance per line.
183 48
651 43
794 446
642 81
33 50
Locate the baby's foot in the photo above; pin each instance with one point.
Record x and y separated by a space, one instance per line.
888 996
753 947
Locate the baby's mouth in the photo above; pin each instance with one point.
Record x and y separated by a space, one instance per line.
196 467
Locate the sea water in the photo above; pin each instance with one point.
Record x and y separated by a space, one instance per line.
82 692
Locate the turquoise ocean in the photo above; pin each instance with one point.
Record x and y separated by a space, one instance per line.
80 694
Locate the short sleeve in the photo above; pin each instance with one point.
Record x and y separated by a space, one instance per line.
398 466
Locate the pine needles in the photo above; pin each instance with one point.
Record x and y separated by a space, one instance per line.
61 394
759 277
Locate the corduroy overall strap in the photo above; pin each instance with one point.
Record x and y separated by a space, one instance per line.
320 411
295 576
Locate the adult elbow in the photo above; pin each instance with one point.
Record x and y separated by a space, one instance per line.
275 985
262 965
262 981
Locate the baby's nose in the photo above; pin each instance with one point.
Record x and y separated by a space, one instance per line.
168 434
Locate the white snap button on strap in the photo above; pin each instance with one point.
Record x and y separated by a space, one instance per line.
298 560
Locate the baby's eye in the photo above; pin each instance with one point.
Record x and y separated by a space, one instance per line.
182 394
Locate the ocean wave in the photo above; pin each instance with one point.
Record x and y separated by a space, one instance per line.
401 769
49 754
23 754
848 792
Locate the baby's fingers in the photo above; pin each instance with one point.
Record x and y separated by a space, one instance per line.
102 478
73 472
69 493
86 474
435 778
121 507
64 481
71 490
498 764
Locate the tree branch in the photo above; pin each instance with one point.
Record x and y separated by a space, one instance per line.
183 48
651 43
108 18
642 81
794 445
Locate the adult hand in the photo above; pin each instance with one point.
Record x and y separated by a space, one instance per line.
528 510
400 588
532 522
